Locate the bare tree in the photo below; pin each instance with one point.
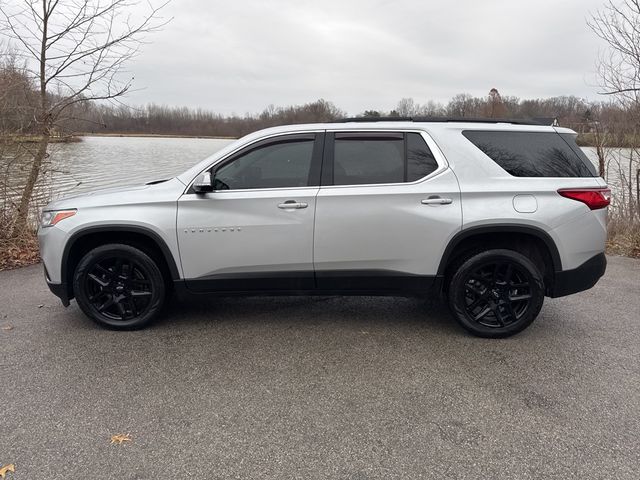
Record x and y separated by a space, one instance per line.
406 107
618 24
495 107
75 50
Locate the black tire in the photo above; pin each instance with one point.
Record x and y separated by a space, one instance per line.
119 287
496 293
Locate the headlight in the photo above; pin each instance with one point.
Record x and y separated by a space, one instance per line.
50 217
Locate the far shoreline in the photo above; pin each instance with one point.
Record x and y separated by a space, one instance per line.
154 135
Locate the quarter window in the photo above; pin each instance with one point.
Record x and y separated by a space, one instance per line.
370 158
533 154
277 165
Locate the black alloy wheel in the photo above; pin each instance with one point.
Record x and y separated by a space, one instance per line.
496 293
119 286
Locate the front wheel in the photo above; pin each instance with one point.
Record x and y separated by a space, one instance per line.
496 293
119 287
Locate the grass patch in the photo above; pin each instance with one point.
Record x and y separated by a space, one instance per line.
18 250
624 238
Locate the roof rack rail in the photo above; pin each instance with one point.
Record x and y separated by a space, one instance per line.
516 121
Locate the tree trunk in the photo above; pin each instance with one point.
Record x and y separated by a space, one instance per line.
600 151
22 217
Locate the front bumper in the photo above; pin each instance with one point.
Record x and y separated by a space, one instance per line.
58 289
581 278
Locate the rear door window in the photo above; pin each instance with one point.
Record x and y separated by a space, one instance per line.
533 154
420 159
375 158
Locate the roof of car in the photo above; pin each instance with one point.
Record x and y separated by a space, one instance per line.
514 121
418 123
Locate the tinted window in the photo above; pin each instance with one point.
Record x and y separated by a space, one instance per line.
571 141
420 160
283 164
370 159
532 154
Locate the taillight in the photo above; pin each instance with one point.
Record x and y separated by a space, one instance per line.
594 198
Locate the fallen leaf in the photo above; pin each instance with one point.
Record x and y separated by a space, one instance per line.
120 438
7 468
7 327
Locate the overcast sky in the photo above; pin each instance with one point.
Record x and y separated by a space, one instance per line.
240 56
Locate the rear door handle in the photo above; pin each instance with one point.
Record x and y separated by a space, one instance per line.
435 200
292 204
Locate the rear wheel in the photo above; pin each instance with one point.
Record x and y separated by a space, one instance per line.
496 293
119 287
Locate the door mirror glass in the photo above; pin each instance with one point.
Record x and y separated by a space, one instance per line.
203 183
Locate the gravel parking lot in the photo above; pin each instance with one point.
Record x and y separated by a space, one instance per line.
328 387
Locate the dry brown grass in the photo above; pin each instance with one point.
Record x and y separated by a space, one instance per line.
624 237
18 251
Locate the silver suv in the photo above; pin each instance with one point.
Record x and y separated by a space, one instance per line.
493 214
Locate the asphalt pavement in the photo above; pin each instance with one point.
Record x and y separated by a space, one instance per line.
327 387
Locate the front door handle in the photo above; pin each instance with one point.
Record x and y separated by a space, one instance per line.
292 204
435 200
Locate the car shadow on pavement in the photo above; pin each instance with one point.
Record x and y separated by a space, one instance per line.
350 311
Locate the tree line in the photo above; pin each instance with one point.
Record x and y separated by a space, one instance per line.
19 103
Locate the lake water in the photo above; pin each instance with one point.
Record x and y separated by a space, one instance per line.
99 162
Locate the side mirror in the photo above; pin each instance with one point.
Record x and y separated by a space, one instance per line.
203 183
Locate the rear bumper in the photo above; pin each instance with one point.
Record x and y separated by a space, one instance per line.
581 278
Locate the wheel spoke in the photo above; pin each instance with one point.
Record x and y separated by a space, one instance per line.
107 304
140 293
121 309
482 314
475 289
103 270
132 305
517 298
508 273
126 270
509 308
494 277
473 305
96 295
480 279
98 280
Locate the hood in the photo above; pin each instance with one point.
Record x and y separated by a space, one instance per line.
150 192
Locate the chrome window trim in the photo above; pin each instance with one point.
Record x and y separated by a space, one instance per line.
433 146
